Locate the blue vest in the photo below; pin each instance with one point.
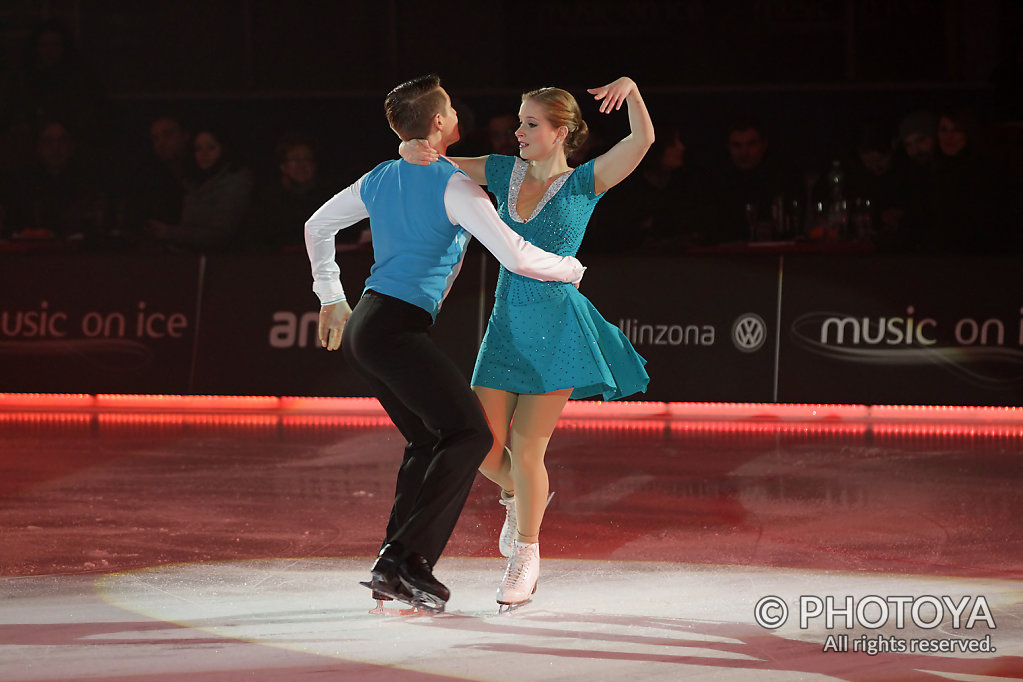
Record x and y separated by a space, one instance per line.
417 252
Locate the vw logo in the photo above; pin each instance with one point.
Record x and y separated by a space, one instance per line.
749 332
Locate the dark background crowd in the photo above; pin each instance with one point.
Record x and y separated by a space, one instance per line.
189 126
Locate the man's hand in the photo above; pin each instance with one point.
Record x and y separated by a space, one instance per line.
333 318
580 280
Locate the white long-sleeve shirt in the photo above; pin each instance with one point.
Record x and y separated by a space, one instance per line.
466 205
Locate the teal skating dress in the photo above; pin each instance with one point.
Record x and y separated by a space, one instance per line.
546 336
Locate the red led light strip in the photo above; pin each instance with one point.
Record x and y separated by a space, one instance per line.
678 416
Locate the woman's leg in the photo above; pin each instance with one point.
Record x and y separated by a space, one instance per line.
535 418
498 407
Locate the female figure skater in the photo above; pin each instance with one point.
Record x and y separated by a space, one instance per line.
545 342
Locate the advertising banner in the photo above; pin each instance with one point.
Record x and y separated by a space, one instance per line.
706 326
94 323
902 330
853 329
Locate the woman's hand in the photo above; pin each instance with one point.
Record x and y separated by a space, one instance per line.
418 152
613 94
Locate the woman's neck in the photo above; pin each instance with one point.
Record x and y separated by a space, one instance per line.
547 168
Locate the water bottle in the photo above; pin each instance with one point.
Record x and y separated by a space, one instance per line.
794 220
862 221
838 207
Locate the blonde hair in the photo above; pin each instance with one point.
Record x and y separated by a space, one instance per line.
562 110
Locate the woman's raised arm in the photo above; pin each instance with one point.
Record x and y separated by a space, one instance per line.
615 164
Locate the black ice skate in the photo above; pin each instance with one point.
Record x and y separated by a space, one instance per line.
386 585
416 576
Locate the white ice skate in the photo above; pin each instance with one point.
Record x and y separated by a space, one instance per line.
510 529
520 577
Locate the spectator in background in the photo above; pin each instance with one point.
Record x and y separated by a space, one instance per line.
904 226
750 182
958 133
954 198
158 186
501 134
471 142
59 195
675 192
971 189
216 199
55 83
918 133
661 207
871 170
277 219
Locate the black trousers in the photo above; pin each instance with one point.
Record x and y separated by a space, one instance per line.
386 340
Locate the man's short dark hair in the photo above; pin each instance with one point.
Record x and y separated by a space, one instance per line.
918 122
744 123
411 106
290 140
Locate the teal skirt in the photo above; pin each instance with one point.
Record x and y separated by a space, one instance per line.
554 344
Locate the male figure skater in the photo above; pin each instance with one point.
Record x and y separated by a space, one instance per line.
421 217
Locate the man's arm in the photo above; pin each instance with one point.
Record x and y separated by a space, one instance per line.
340 211
469 206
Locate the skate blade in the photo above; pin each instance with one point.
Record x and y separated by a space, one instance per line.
388 591
426 601
381 610
504 609
416 607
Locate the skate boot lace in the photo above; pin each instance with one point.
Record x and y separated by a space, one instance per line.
518 567
511 526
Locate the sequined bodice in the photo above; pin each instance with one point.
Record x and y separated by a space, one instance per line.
557 224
